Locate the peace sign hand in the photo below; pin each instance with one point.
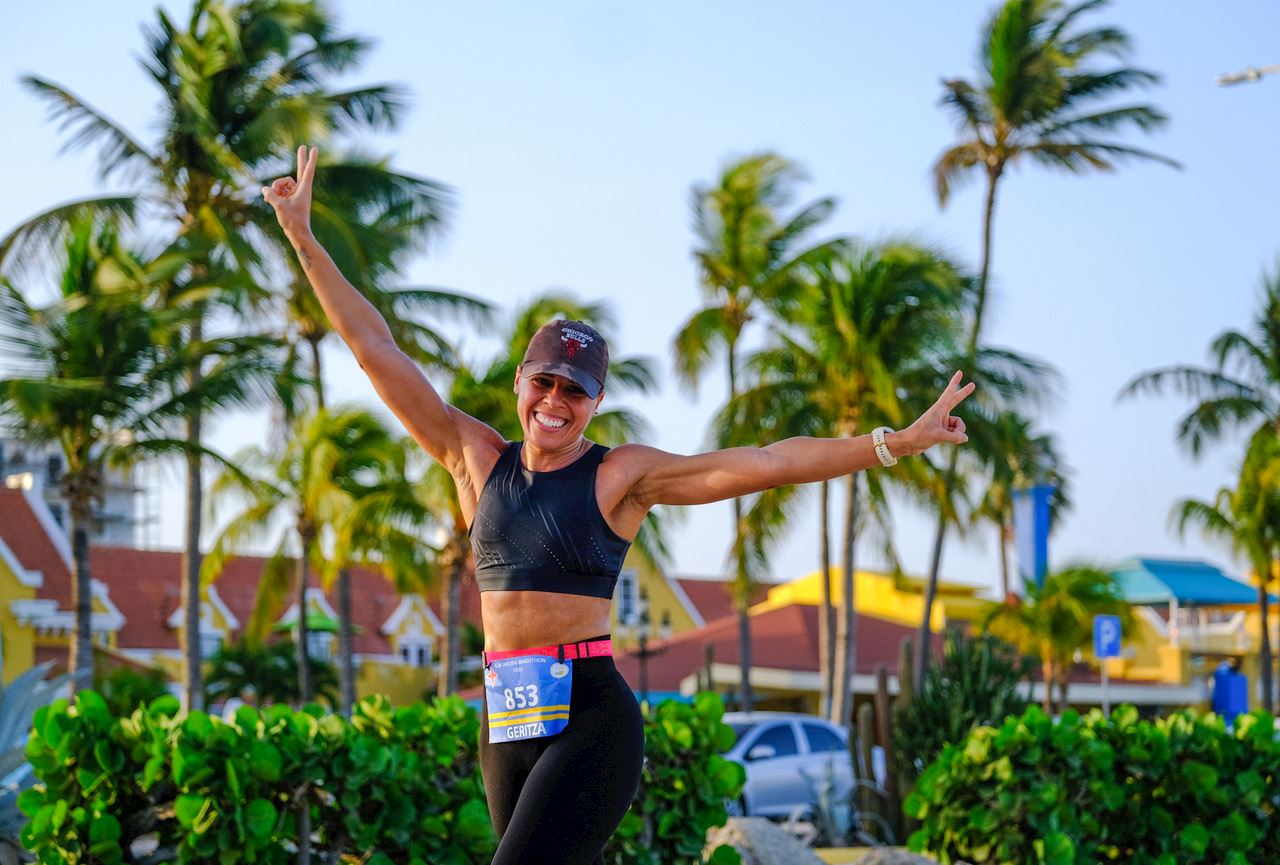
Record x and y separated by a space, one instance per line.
291 199
937 424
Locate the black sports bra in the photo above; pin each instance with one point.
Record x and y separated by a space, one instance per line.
543 531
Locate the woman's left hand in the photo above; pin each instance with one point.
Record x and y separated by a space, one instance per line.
938 424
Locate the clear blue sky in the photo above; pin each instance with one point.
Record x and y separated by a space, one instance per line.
573 131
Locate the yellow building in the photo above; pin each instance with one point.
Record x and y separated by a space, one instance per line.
17 642
895 598
645 592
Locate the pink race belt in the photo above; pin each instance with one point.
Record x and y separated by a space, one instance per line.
583 649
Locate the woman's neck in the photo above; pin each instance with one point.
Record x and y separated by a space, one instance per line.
537 460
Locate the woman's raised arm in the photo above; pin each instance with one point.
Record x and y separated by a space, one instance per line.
670 479
444 432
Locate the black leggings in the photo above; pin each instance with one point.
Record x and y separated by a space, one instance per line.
557 799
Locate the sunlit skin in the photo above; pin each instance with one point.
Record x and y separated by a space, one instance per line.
525 619
631 479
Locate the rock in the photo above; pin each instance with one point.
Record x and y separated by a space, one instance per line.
895 856
760 842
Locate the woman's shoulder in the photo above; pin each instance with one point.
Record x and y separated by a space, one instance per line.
636 459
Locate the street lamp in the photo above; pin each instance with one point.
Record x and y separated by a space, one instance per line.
644 653
1249 73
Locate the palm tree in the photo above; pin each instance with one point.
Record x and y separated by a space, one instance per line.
310 481
1038 98
1014 457
1240 392
90 373
382 526
1247 519
239 85
874 322
1054 620
261 674
749 259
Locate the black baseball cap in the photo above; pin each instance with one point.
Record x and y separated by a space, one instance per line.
573 349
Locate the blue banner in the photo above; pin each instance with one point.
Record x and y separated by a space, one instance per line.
1031 531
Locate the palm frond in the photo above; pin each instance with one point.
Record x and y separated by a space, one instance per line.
1188 381
368 108
119 151
272 591
40 238
707 331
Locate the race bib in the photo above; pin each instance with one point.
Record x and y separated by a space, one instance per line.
527 697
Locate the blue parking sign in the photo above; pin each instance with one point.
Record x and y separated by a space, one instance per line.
1106 636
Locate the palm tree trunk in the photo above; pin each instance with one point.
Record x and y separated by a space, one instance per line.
925 634
826 613
846 665
1264 648
1003 537
748 698
448 679
742 577
1046 670
192 656
300 597
316 370
988 217
346 644
81 657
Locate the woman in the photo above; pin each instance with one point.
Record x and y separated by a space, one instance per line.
551 519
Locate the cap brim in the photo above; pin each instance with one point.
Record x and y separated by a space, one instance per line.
583 379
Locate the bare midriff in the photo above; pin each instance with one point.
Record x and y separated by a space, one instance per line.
528 620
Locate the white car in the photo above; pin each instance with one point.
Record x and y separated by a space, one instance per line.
788 756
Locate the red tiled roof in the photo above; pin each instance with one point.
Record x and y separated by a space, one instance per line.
146 584
712 598
24 534
783 638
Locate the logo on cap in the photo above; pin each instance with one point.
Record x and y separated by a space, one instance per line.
574 341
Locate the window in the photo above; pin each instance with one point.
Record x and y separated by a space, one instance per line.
55 469
627 597
822 739
320 646
741 730
415 653
209 644
780 737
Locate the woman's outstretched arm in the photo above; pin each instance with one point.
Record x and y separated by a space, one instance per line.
443 431
670 479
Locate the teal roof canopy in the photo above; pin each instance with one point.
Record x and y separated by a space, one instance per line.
1188 581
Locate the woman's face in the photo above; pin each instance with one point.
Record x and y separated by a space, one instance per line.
554 410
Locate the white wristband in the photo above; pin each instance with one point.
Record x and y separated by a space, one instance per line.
882 450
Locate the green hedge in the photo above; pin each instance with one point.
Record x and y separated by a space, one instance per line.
391 785
683 787
401 784
1175 791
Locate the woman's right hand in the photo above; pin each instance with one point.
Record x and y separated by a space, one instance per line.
291 199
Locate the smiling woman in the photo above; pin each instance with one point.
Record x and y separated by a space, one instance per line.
551 519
